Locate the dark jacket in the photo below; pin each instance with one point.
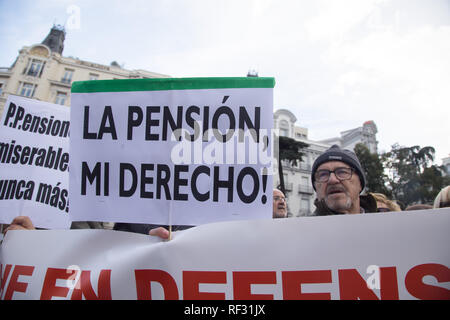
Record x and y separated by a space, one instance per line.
144 228
87 225
367 202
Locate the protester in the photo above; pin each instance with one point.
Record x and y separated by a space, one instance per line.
338 188
384 204
442 200
279 204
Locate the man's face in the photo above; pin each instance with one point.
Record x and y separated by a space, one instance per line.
279 205
339 195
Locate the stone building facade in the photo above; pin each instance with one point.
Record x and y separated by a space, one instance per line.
41 72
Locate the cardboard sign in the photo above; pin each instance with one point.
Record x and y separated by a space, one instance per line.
386 256
171 151
34 157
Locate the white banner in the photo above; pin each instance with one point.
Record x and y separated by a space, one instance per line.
171 151
34 162
401 255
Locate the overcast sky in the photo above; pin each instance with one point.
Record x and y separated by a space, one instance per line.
336 63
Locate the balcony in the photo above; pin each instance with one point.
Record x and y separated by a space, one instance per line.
305 189
5 70
305 167
60 83
66 80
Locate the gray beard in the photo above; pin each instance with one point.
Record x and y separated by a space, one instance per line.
335 206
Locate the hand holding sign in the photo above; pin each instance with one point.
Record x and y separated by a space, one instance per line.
20 223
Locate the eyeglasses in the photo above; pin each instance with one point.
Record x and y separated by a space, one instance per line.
383 210
278 198
341 173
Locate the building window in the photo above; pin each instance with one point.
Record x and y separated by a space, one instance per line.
67 77
284 132
93 76
34 68
305 181
304 186
1 88
284 128
305 208
27 90
61 98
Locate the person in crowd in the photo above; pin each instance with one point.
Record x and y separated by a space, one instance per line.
418 207
442 199
279 204
338 179
384 204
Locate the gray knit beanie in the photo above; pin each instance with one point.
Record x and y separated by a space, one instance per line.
335 153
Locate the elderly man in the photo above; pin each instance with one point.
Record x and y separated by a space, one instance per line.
338 179
279 204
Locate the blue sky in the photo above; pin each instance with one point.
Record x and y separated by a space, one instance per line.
336 63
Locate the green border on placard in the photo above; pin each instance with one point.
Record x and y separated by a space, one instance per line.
159 84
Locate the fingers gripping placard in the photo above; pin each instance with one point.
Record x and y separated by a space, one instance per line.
204 144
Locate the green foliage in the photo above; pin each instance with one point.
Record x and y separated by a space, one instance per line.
373 170
412 176
431 182
290 150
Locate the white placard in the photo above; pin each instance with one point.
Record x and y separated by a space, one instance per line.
128 164
34 162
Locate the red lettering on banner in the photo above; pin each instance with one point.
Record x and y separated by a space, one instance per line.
420 290
144 279
5 276
388 283
192 280
293 280
242 281
84 287
16 286
49 288
352 286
